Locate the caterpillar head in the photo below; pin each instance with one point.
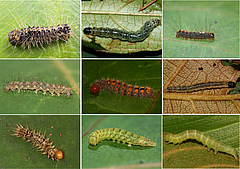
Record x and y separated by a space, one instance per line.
93 139
168 136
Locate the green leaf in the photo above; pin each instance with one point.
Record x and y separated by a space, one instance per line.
55 72
191 153
219 17
120 15
140 73
21 14
108 153
15 152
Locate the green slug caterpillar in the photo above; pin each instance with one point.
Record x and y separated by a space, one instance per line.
119 135
39 140
204 139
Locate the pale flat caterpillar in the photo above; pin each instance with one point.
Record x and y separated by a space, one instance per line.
34 36
204 139
34 85
194 35
200 86
118 135
124 35
117 86
40 141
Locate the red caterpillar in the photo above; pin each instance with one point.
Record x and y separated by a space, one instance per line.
32 36
194 35
32 85
120 87
39 141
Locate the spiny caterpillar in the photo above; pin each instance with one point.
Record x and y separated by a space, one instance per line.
124 35
120 87
194 35
204 139
32 36
119 135
200 86
34 85
39 141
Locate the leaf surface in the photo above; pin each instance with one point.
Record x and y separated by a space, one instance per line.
122 15
108 153
191 153
190 72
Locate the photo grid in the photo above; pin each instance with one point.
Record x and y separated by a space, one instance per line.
122 84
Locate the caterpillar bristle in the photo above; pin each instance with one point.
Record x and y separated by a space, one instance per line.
38 140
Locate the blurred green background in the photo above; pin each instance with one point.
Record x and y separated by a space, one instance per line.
48 71
16 153
21 14
142 73
219 17
108 153
191 153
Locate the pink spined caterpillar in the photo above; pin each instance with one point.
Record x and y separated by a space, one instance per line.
119 135
35 85
200 86
117 86
40 141
204 139
34 36
124 35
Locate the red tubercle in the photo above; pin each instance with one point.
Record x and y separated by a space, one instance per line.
183 30
95 88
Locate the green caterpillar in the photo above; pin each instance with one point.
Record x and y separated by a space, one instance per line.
204 139
119 135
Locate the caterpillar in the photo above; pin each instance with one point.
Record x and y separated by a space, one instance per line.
34 36
194 35
117 86
124 35
34 85
119 135
200 86
39 140
203 138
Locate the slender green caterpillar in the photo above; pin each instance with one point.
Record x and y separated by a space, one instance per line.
204 139
119 135
200 86
124 35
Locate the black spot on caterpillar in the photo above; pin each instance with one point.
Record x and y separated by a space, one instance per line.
34 85
200 86
119 135
194 35
124 35
34 36
39 140
204 139
120 87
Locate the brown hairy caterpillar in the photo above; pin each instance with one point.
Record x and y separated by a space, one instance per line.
204 139
119 135
194 35
117 86
34 36
124 35
200 86
35 85
39 140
